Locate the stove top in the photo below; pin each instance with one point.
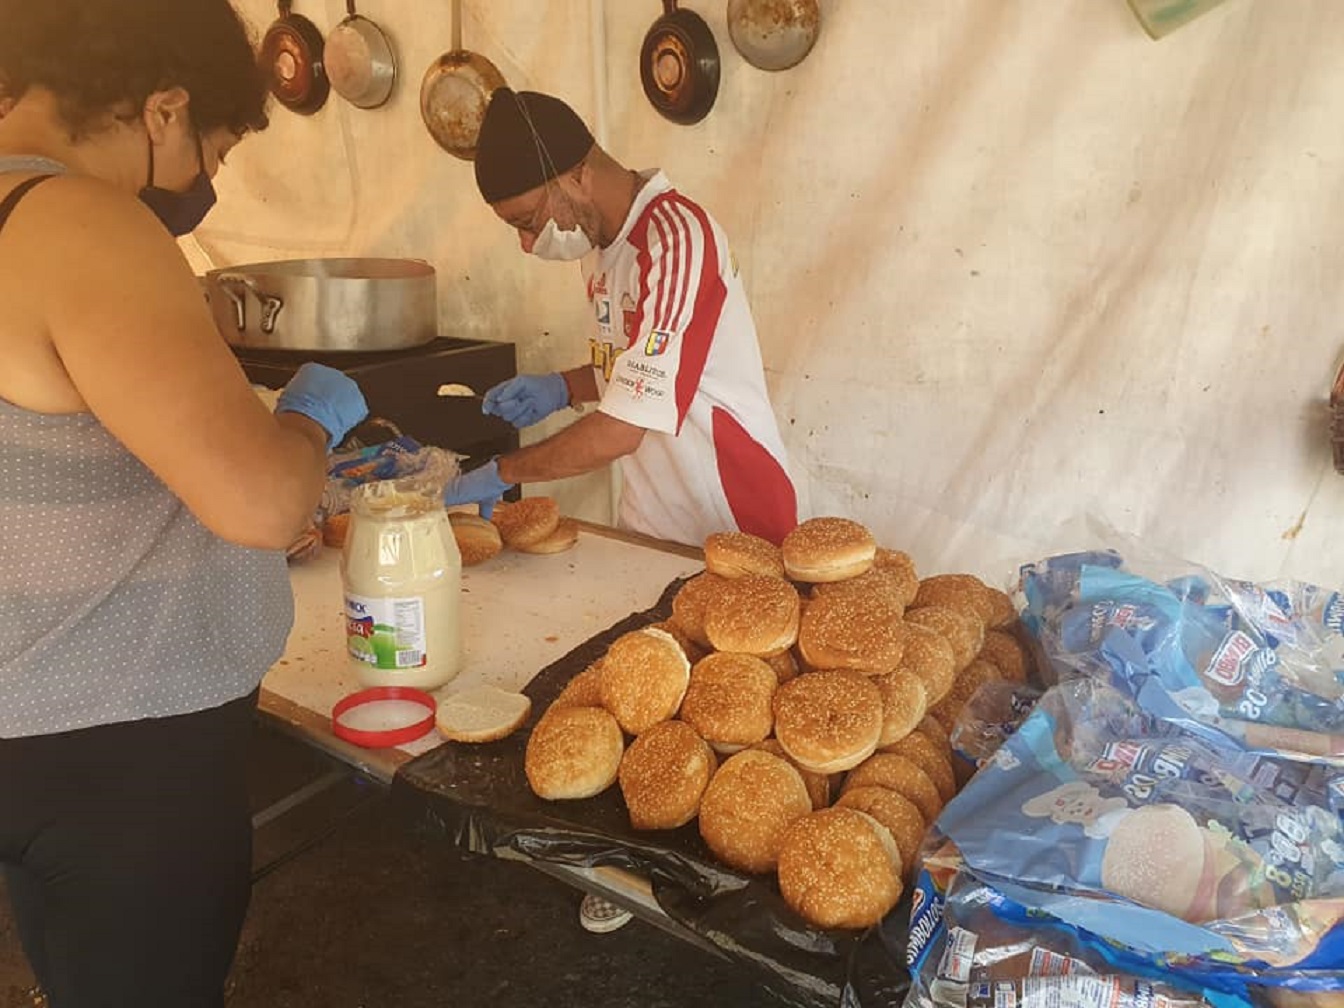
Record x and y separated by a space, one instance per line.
349 358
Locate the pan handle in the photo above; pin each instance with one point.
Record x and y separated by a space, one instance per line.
669 7
270 303
286 8
350 8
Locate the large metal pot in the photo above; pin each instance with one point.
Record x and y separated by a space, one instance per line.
325 304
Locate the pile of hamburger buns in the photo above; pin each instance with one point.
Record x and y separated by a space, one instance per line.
797 705
531 525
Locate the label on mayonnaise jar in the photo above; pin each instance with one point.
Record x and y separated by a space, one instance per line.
386 633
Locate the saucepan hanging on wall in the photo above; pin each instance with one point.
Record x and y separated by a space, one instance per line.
455 93
774 34
679 65
291 56
359 60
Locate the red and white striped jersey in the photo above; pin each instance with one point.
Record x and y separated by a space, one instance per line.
675 352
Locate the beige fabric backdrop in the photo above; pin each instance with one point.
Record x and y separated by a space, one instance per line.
1013 263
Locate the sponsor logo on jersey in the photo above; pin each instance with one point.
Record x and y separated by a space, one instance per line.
597 285
603 356
604 311
657 342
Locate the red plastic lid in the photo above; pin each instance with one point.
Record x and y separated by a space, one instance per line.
383 716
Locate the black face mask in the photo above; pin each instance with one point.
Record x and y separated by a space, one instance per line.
180 212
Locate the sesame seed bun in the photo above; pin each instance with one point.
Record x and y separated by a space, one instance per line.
784 665
963 632
732 554
818 784
904 703
925 753
928 655
693 651
848 631
752 614
749 802
573 752
643 678
728 700
1002 611
1005 653
897 813
688 606
477 538
900 775
827 549
663 775
828 721
525 522
584 690
937 734
840 868
565 537
877 583
948 710
963 593
899 564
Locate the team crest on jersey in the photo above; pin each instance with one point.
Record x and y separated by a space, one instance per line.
604 311
657 342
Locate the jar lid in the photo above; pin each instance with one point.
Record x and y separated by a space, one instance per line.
383 716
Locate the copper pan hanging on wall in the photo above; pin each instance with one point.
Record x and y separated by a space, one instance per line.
774 34
455 93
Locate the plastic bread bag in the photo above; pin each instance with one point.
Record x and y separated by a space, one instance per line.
992 713
987 951
1205 860
1263 665
400 458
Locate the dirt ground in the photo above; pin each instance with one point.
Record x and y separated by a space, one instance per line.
375 914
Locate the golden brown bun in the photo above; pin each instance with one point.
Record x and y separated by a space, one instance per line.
663 774
728 700
928 655
335 528
477 538
732 554
827 549
565 536
904 704
848 631
840 868
574 752
527 521
933 730
688 606
644 676
818 784
752 615
963 593
784 664
947 710
693 651
1003 651
828 721
877 584
900 775
749 802
899 565
897 813
1002 611
584 690
925 753
962 631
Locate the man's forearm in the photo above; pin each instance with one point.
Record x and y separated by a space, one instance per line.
587 444
582 384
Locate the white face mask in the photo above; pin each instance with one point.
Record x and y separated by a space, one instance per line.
561 246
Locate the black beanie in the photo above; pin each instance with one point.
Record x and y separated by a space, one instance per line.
526 140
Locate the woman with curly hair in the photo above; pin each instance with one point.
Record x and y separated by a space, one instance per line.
146 499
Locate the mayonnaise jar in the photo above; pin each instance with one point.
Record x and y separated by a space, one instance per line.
402 576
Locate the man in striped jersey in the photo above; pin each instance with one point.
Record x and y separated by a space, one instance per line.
674 365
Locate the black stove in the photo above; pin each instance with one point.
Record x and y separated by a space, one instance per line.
402 386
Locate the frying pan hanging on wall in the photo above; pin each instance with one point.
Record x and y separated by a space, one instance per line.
774 34
455 93
359 60
291 57
679 65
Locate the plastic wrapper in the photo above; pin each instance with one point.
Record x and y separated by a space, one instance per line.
1207 863
1262 665
477 797
992 714
401 458
989 952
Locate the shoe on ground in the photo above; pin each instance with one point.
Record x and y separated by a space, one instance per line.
599 916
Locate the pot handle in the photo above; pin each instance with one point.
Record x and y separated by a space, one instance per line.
270 303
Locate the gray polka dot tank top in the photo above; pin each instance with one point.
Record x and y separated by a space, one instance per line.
116 604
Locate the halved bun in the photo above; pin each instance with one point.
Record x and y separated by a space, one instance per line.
478 539
693 651
643 678
827 549
482 714
749 803
828 721
840 868
573 752
752 615
526 522
732 554
663 775
565 536
728 700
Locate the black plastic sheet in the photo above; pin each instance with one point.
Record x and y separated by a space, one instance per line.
478 797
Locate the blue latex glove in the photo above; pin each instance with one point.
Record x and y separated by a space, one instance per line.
527 399
480 486
326 396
